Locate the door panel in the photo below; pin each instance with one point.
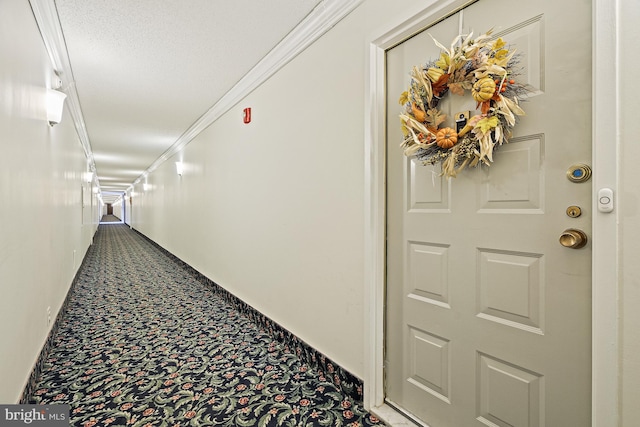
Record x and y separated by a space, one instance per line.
488 316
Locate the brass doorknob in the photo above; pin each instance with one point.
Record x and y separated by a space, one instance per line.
573 238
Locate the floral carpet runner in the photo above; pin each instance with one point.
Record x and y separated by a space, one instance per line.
144 343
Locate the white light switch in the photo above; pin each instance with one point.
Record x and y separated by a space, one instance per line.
605 200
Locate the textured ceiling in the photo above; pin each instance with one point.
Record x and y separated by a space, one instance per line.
146 70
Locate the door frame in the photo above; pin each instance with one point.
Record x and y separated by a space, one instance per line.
605 114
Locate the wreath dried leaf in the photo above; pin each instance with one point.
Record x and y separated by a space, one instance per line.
404 97
435 118
457 88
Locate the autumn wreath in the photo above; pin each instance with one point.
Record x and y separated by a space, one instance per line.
483 66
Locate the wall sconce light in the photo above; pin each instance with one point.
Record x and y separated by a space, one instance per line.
55 105
179 168
89 177
145 186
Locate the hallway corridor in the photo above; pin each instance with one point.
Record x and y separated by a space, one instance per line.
145 341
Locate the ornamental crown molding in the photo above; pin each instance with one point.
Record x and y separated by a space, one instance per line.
321 19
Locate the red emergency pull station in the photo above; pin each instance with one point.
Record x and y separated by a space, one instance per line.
247 115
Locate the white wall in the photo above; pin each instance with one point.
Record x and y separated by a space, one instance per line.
629 199
273 211
117 209
126 218
44 228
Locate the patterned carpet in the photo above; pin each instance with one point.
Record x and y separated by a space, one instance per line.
145 342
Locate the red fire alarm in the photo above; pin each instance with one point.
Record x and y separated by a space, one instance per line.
246 116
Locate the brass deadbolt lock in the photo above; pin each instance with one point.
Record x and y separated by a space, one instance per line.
574 211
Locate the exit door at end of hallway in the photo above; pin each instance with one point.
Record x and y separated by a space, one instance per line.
488 316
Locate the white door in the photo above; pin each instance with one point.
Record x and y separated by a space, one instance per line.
488 318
